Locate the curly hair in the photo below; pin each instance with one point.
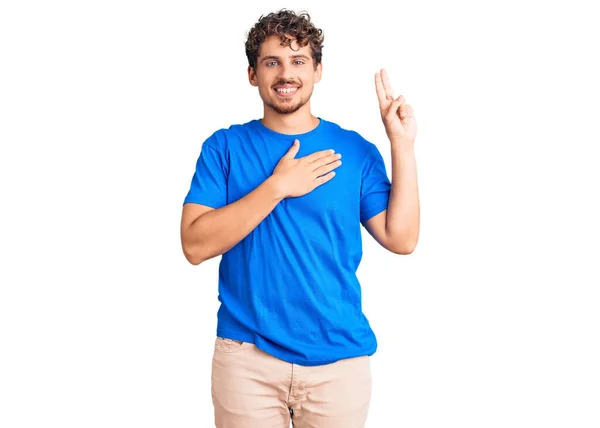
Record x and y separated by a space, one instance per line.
288 25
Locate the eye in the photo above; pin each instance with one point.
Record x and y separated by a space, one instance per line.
271 62
299 62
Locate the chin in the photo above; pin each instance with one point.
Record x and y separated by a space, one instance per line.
286 108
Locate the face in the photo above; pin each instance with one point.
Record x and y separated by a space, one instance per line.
285 77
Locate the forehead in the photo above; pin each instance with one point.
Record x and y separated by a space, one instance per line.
272 46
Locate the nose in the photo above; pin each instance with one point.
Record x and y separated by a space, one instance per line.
285 72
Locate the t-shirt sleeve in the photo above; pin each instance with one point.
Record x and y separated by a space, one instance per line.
375 186
209 183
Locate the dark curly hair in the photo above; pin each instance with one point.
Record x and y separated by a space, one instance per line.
288 25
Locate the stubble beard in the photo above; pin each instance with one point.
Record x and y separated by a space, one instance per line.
287 108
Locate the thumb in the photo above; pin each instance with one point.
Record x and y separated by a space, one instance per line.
293 151
393 110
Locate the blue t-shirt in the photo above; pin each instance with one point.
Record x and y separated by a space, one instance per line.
290 286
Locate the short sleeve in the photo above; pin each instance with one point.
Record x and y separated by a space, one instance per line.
209 183
375 186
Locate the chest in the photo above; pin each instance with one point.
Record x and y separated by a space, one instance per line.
251 164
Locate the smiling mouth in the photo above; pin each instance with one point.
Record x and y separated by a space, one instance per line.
286 92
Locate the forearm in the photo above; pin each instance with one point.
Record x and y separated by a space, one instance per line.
217 231
403 213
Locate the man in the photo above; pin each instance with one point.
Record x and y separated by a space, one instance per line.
274 199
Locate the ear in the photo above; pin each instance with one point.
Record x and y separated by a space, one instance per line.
318 72
252 76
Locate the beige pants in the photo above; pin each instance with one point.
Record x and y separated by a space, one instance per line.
252 389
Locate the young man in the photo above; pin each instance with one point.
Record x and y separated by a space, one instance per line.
274 199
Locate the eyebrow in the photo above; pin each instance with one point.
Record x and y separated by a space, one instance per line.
273 57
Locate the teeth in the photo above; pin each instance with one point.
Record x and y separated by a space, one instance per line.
286 90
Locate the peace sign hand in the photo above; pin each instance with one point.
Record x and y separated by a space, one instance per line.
397 116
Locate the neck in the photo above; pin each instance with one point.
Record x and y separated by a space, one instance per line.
299 122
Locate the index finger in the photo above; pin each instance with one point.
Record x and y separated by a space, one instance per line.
386 84
318 155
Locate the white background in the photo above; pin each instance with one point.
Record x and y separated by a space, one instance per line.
493 321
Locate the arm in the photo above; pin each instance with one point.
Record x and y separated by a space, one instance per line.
207 232
397 228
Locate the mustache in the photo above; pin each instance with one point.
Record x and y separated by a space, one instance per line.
287 82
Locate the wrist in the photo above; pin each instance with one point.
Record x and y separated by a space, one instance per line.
404 145
275 187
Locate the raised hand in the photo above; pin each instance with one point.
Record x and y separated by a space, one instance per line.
397 116
297 177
